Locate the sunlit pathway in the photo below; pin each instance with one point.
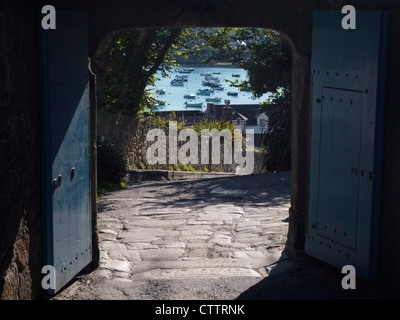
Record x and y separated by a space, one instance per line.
182 240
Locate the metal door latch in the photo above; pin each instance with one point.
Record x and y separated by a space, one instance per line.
72 173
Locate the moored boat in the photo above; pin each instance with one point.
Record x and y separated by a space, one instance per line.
213 99
176 83
211 83
232 93
194 105
211 78
189 96
205 92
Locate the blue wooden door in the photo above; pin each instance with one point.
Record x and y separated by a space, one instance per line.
65 118
348 74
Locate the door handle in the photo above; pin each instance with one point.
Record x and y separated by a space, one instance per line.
354 171
72 176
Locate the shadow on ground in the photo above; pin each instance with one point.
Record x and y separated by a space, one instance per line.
275 189
306 278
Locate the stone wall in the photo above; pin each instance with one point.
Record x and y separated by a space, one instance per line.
20 158
20 123
129 136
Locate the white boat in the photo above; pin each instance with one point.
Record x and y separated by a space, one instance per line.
190 96
236 75
161 91
210 83
179 79
211 78
177 83
184 70
206 74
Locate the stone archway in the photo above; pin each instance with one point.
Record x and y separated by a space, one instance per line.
297 30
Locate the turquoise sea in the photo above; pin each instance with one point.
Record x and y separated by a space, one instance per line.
174 95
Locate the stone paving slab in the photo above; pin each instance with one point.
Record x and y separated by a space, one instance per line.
153 231
175 240
195 273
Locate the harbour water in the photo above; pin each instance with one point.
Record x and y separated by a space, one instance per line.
174 95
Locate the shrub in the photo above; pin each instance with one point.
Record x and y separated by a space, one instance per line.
111 165
212 124
277 140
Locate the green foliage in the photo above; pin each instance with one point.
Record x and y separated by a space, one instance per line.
277 141
111 167
212 124
185 167
158 121
164 122
144 166
267 57
265 54
172 116
127 66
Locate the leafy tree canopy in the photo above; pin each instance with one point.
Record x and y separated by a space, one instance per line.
265 54
130 62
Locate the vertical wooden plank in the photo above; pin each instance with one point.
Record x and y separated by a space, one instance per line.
347 65
64 65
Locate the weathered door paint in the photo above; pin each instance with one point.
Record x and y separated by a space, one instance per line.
348 74
65 132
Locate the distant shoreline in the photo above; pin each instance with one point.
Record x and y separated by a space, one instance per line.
211 65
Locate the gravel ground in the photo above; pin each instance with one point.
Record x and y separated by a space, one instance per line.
175 240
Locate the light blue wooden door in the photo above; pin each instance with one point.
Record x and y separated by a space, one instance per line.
348 72
65 103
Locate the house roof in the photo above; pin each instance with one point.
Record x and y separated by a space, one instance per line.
248 112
